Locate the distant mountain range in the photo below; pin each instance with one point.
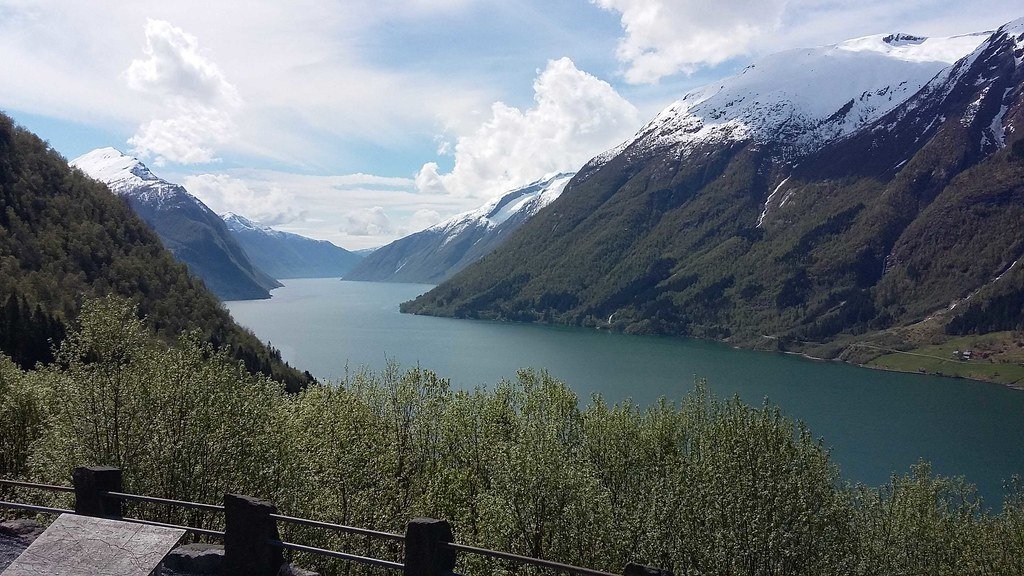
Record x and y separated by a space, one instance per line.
186 226
435 254
64 238
872 189
286 255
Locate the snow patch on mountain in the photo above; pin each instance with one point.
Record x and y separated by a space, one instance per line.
238 223
525 201
807 97
128 176
767 203
997 129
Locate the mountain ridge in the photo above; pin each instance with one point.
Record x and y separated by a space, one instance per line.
286 255
737 239
434 254
64 238
186 226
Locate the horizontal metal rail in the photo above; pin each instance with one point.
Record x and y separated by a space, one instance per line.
342 555
339 527
167 501
33 508
293 520
527 560
49 487
203 531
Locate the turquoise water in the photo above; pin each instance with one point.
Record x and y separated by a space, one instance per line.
876 423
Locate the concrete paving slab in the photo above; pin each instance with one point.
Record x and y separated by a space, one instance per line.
85 546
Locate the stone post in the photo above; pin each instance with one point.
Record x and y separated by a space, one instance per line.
248 529
425 553
640 570
90 482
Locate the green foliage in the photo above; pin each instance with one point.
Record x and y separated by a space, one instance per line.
65 238
23 412
705 487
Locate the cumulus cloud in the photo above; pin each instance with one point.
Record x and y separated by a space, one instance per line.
270 206
174 67
665 37
186 137
197 99
575 117
367 222
421 219
351 210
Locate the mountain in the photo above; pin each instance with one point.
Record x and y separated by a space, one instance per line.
433 255
186 226
818 199
65 238
287 255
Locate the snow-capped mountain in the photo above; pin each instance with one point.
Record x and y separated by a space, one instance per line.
434 254
287 255
819 198
186 226
807 97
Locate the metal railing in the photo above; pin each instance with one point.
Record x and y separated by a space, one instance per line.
33 507
567 568
97 492
378 562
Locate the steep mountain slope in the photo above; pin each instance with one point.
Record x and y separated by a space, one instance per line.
435 254
287 255
64 238
190 230
775 221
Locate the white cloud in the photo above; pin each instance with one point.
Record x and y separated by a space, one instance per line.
270 206
175 68
367 222
421 220
429 180
197 99
575 117
665 37
344 209
186 137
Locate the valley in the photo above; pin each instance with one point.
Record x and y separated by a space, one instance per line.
717 292
338 329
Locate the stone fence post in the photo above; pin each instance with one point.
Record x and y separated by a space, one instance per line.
425 553
90 482
640 570
248 529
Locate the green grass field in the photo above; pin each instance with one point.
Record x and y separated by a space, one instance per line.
996 357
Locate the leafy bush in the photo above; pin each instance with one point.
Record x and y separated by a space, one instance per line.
703 487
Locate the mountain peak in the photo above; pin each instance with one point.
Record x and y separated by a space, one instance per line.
110 165
233 219
525 201
807 97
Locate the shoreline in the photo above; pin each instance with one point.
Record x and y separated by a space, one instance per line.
1015 385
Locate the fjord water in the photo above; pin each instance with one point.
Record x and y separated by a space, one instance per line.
876 423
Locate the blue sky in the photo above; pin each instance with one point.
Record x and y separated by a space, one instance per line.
361 121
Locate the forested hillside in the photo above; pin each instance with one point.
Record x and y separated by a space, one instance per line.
750 238
65 238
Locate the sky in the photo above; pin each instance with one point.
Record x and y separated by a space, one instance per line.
361 121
